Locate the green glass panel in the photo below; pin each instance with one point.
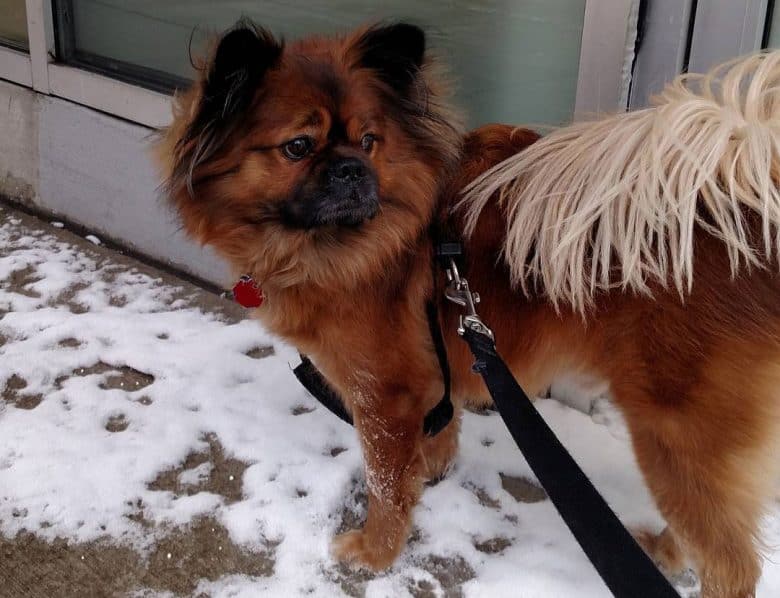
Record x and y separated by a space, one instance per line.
513 61
13 23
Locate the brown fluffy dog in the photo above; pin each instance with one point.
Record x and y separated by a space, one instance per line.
318 168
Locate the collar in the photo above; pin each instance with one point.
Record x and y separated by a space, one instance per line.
247 293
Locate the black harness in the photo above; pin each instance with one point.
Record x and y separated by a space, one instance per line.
623 566
435 420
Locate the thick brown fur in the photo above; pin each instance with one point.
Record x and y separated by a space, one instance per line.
697 380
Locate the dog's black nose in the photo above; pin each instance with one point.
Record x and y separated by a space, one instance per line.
348 169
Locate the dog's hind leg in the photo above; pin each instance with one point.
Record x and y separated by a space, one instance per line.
711 510
709 459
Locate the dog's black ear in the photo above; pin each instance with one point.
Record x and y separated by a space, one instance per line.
396 52
243 56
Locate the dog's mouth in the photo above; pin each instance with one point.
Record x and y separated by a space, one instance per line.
351 212
350 209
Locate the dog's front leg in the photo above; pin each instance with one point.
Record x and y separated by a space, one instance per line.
395 471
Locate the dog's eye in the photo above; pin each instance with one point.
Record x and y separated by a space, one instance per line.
298 148
367 142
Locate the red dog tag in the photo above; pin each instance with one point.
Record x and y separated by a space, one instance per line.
247 293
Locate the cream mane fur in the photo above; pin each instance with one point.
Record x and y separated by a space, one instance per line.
614 202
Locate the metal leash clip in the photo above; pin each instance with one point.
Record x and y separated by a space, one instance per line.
458 292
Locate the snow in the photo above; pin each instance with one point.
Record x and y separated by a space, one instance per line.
296 485
191 477
93 239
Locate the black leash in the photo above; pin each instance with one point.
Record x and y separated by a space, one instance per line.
435 420
625 568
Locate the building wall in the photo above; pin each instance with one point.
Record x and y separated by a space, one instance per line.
95 170
18 143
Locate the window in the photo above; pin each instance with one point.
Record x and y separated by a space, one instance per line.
13 24
516 61
512 61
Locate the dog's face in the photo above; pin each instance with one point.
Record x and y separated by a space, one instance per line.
312 162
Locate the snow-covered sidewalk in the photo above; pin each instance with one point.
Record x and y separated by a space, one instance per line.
153 443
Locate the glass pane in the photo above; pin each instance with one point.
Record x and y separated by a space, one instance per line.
514 62
13 23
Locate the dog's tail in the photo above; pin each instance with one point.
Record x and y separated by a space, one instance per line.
615 202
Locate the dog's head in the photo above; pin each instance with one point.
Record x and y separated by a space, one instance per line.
313 161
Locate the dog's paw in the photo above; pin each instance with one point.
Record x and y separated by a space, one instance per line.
357 550
663 549
438 454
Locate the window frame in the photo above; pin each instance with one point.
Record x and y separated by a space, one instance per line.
693 36
770 13
69 54
664 47
725 29
142 95
15 66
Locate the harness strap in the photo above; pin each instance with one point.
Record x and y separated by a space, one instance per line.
625 568
313 381
435 420
441 414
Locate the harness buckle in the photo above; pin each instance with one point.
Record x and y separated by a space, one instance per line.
458 292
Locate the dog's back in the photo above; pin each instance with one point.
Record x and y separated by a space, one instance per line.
664 283
617 201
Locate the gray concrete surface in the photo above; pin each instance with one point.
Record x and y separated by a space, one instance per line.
31 567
